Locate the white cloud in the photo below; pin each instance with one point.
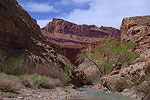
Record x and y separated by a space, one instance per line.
81 1
38 7
76 2
63 2
43 23
108 12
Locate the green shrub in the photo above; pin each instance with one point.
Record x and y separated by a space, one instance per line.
37 81
11 65
109 55
67 71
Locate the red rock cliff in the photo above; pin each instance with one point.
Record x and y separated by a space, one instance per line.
21 36
137 30
17 28
65 27
72 37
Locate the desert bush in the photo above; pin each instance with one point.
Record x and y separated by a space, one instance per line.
21 64
38 81
121 84
67 71
46 70
11 65
111 55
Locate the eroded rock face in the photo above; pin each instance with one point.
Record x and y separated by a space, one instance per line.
113 32
65 27
16 26
72 37
20 34
137 30
71 53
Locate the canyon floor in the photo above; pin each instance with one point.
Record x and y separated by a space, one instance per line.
65 93
58 93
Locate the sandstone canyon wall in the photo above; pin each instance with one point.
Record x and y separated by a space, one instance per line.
21 36
20 32
137 30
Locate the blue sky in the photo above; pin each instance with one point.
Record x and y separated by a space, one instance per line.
97 12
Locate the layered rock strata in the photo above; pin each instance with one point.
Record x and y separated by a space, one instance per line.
72 37
137 30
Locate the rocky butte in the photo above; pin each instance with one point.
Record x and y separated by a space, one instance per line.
72 37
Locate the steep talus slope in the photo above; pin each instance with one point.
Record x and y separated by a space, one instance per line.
137 30
21 36
72 37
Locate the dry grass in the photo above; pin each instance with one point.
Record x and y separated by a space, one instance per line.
39 75
8 95
13 84
38 81
47 70
9 83
10 86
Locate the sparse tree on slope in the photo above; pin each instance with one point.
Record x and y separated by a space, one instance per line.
110 55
